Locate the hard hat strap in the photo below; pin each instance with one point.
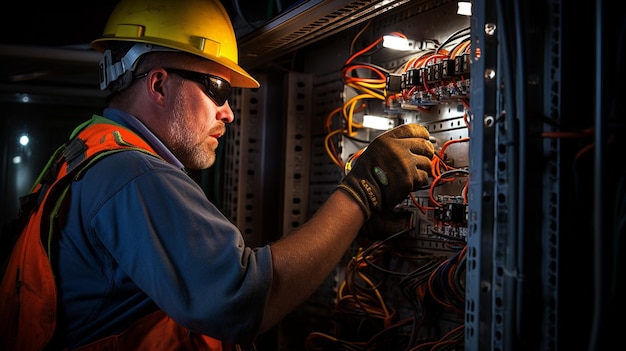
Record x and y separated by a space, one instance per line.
111 72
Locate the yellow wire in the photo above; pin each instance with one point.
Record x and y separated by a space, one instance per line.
333 157
369 85
348 111
380 298
371 93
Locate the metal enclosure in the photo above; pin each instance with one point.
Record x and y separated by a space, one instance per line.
530 150
537 200
539 196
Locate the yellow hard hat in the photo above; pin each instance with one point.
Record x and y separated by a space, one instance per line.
199 27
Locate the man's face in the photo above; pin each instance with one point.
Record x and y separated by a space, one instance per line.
196 122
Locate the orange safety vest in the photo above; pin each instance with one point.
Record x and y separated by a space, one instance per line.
28 296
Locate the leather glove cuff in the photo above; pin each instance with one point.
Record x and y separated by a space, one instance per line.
358 195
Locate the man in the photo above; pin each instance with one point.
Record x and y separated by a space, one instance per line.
143 254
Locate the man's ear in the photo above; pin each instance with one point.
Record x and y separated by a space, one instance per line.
156 80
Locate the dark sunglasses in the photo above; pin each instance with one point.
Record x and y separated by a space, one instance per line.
216 88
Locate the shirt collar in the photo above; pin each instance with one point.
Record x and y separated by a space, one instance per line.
130 121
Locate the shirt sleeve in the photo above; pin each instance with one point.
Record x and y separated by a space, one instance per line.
162 232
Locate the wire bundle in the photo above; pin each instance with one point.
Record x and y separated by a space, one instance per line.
365 320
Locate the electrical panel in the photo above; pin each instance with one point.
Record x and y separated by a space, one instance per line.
514 245
487 256
404 284
405 288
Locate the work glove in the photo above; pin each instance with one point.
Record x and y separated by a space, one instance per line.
394 164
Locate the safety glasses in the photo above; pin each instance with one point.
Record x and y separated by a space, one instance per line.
216 88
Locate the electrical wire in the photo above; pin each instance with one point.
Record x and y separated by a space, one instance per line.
443 177
317 341
450 341
444 285
461 33
428 282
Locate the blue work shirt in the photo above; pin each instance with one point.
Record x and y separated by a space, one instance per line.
141 235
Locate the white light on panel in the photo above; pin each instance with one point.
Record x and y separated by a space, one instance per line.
377 122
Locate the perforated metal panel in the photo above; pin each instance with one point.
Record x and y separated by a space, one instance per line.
244 192
299 88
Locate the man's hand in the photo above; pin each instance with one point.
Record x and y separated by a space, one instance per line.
394 164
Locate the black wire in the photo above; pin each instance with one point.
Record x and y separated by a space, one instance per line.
456 35
453 171
355 139
450 237
410 284
376 244
371 342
